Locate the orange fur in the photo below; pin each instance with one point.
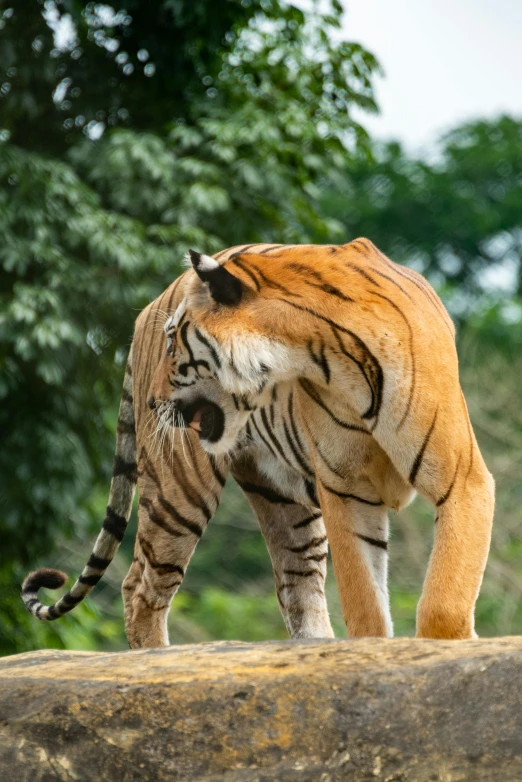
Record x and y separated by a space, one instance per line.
391 355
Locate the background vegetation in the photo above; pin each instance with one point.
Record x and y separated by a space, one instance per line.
128 135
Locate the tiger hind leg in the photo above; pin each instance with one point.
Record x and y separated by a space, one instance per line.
458 559
175 506
438 454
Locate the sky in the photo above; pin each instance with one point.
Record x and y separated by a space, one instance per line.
445 62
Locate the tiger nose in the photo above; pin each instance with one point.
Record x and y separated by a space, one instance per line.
151 402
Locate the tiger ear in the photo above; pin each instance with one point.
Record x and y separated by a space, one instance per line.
223 286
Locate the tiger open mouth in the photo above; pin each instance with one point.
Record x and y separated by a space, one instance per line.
205 418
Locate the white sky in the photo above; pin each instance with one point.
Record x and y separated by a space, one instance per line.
445 61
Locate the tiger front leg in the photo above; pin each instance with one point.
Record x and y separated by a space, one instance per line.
357 528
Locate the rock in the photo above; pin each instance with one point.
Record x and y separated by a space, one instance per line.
233 712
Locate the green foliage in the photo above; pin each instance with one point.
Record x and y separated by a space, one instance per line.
160 60
139 65
457 219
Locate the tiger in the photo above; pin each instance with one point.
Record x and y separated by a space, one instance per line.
324 379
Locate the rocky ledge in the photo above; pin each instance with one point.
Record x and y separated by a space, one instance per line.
234 712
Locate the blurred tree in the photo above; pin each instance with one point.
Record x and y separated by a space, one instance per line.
457 219
69 65
93 232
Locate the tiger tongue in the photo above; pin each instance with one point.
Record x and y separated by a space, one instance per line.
196 420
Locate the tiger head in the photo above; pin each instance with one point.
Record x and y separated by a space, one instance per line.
227 346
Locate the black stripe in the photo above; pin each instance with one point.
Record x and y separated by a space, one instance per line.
180 322
373 541
332 469
242 248
450 489
355 497
247 271
284 586
312 393
293 425
228 249
70 601
316 557
320 360
125 427
90 580
418 459
149 605
299 459
308 545
211 348
271 284
370 369
423 285
356 245
269 249
156 519
258 430
375 382
267 494
331 290
53 613
394 282
217 475
273 438
114 524
121 467
246 403
181 520
361 272
311 492
126 396
192 496
308 520
412 355
303 573
203 478
232 365
98 562
165 567
30 603
321 283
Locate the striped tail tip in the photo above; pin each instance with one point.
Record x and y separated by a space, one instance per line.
46 578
